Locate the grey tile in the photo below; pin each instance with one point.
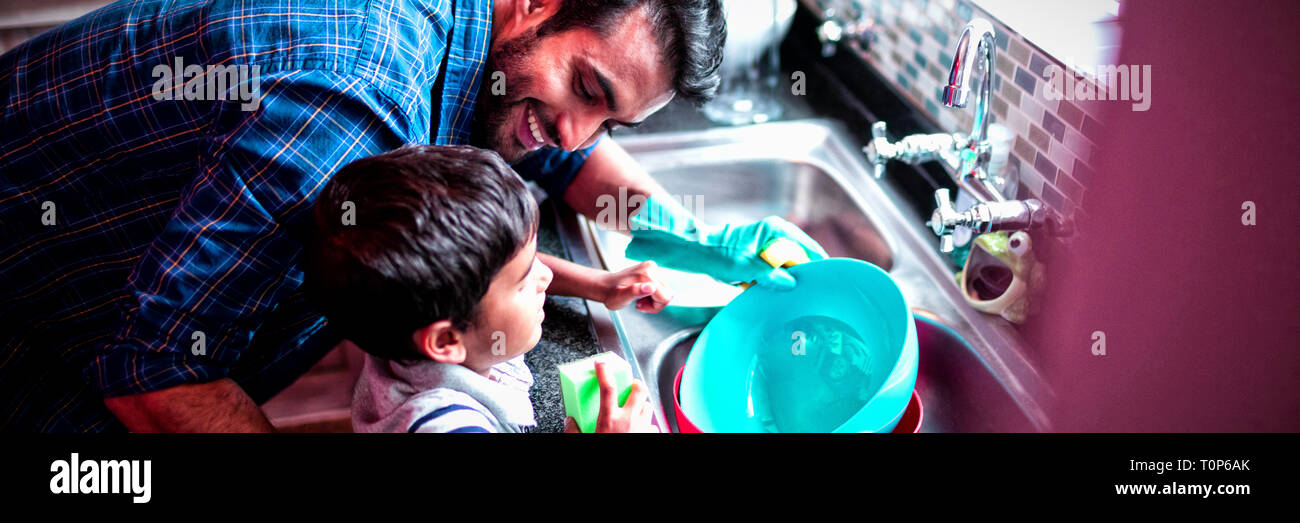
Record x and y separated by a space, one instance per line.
902 80
919 59
939 34
1002 38
938 74
1070 113
1039 138
1069 188
1023 148
945 59
1081 172
1054 126
1038 65
1045 167
890 34
999 106
1092 129
911 70
1005 66
916 92
1012 95
1052 197
965 11
1019 51
897 58
1026 81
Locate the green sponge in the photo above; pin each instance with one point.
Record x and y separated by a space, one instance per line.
582 392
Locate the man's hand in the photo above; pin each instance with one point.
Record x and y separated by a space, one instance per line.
636 415
667 232
636 283
218 406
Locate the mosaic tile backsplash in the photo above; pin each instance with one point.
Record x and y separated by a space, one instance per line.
1054 144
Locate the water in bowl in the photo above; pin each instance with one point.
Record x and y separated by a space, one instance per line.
811 375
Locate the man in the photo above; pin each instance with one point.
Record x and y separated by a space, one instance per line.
158 161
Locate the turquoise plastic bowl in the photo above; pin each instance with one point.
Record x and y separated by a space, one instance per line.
836 354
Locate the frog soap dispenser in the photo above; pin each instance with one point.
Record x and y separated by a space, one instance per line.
1002 276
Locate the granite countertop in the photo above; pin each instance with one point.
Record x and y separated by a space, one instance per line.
567 335
567 332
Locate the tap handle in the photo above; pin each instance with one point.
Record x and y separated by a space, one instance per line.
830 33
941 200
944 219
946 243
879 149
879 129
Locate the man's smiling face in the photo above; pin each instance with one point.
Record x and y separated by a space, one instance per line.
565 89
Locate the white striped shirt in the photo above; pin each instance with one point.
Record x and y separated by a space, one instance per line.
427 396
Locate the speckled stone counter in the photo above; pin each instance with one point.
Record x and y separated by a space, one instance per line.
566 336
567 333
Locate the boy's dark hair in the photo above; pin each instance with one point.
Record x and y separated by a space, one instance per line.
431 228
690 34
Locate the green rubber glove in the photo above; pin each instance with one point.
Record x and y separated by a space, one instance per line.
667 233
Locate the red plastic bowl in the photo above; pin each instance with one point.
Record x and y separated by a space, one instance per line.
913 415
683 425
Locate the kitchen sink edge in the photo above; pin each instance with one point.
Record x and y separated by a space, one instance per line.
915 264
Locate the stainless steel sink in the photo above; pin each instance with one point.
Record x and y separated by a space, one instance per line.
975 374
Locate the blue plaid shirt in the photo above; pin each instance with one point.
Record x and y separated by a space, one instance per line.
150 242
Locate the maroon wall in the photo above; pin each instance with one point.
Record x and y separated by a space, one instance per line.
1201 313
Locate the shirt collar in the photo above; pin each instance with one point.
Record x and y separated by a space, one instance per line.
508 401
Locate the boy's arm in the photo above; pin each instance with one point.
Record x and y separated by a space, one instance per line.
615 289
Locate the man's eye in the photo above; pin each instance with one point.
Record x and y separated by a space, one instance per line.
581 88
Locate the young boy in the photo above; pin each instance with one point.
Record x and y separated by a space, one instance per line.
426 258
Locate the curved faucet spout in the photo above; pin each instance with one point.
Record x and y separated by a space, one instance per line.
975 49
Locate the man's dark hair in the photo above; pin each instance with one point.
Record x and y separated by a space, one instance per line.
690 34
432 226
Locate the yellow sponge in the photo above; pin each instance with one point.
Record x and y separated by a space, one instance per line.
783 252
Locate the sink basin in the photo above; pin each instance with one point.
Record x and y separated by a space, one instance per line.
975 372
742 190
959 392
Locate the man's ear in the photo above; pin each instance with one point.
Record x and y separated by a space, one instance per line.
442 343
534 12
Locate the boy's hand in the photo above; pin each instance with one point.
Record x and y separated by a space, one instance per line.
634 416
638 284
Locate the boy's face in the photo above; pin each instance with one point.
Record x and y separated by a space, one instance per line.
509 320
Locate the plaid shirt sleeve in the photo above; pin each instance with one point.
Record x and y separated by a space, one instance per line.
227 255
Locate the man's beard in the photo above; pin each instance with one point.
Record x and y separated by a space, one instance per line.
489 128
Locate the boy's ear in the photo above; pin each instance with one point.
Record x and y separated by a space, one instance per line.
442 343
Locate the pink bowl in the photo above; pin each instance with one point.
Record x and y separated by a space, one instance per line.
913 415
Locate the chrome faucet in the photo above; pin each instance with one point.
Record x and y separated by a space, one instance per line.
967 155
853 23
989 216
